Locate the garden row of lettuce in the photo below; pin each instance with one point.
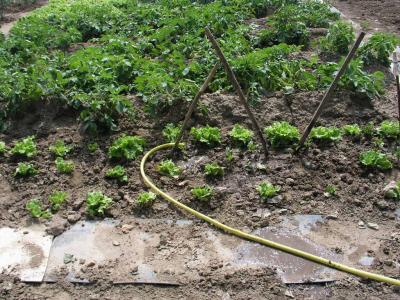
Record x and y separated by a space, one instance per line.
158 52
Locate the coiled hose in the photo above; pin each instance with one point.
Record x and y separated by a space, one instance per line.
253 238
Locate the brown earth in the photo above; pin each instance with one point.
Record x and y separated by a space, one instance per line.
302 178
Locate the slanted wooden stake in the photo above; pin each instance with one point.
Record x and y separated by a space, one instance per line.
194 103
236 85
330 90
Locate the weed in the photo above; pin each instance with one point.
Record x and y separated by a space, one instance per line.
128 147
64 166
375 159
35 208
97 203
241 135
389 129
394 192
339 38
330 190
59 149
146 199
171 132
25 147
267 190
352 130
378 49
93 147
206 135
325 134
202 193
213 170
2 148
25 170
282 134
168 168
119 173
57 199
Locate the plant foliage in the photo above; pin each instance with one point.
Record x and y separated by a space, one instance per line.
206 135
25 148
97 203
118 172
127 147
282 134
168 168
202 193
267 190
375 159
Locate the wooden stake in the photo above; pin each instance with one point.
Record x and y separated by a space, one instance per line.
193 105
330 90
236 85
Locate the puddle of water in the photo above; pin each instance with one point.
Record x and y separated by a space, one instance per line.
306 223
366 261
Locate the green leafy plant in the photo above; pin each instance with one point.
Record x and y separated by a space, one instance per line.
171 132
59 149
57 199
389 129
375 159
146 198
128 147
330 190
368 130
25 170
267 190
35 208
213 170
202 193
352 130
325 134
206 135
97 203
168 168
229 154
241 135
118 172
64 166
93 147
339 38
25 148
379 48
282 134
2 147
394 192
378 142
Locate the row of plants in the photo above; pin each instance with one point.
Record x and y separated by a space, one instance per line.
157 50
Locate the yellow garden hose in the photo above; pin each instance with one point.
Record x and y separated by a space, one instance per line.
268 243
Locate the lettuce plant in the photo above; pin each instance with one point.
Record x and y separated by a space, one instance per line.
168 168
25 170
35 208
59 149
267 190
213 170
389 129
241 135
64 166
202 193
25 148
325 134
282 134
375 159
127 147
57 199
207 135
97 203
118 172
171 132
146 199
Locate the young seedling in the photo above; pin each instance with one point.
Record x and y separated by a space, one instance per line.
229 154
241 135
119 173
282 134
59 149
35 208
2 148
389 129
168 168
97 203
330 190
64 166
352 130
202 193
213 170
146 199
127 147
325 134
93 147
267 190
208 135
368 130
375 159
25 148
171 132
25 170
57 199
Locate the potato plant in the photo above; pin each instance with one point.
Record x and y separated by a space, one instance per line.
378 49
339 38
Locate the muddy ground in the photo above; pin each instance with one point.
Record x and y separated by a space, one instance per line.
302 178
